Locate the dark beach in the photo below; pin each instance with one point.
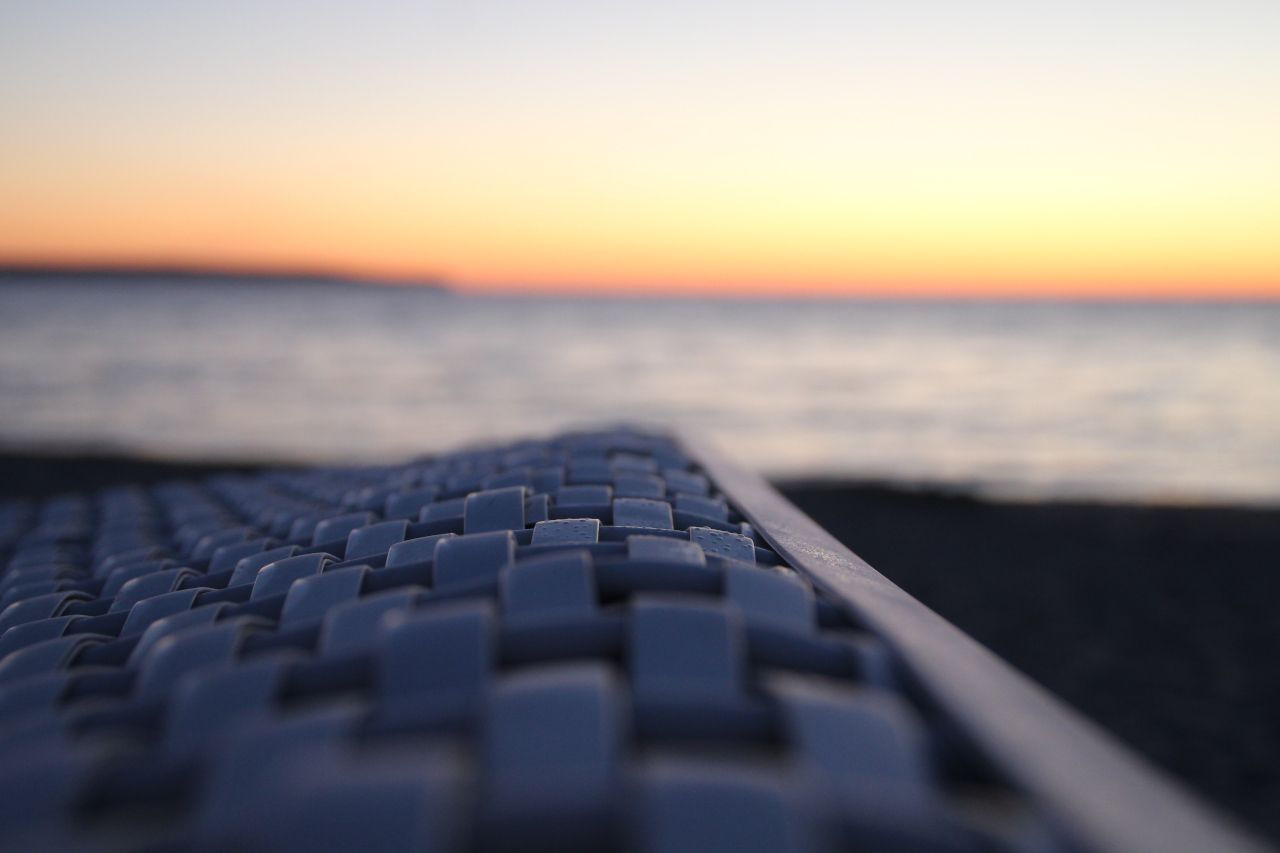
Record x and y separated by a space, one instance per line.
1160 623
1157 622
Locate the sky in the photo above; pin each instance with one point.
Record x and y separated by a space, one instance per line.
1119 148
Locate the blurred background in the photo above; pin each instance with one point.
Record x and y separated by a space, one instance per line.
1169 401
991 289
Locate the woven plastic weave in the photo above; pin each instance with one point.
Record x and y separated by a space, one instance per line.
574 644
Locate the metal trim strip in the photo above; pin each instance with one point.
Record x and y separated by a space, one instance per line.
1102 796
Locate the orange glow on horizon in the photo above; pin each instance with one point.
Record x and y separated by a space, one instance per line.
979 232
924 149
622 286
918 246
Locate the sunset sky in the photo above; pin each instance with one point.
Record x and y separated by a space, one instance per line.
1119 148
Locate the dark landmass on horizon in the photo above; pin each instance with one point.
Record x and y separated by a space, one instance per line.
190 275
1157 622
165 274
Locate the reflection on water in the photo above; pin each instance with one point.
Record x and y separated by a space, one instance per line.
1164 401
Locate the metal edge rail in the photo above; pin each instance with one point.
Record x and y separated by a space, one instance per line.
1103 797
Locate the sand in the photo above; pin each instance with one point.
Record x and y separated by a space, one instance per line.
1160 623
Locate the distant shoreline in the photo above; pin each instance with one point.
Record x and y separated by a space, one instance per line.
193 275
42 469
182 275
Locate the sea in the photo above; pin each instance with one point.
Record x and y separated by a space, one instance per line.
1164 402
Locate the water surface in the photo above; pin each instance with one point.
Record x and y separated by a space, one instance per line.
1116 401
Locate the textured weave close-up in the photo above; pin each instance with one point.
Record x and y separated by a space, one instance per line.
680 426
574 644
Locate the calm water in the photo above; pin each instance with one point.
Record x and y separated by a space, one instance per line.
1166 402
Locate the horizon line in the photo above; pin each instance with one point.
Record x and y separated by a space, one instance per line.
674 290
